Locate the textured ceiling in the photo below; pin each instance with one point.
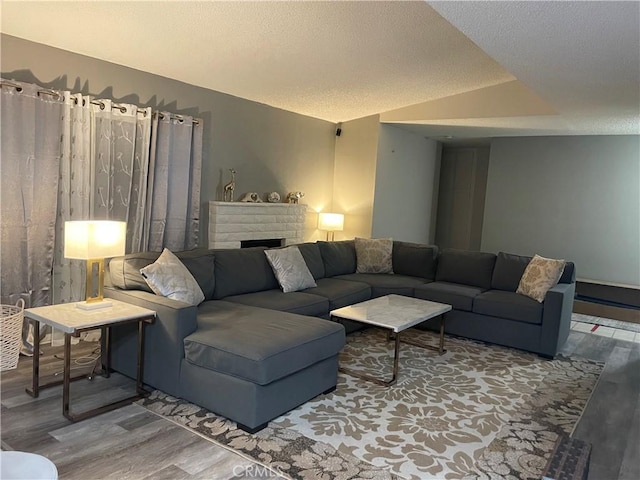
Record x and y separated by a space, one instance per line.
547 67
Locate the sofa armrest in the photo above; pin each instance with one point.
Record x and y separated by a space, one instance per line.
556 318
163 346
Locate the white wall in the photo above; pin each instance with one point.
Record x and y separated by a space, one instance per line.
405 184
576 198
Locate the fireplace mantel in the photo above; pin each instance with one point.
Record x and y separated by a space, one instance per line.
232 222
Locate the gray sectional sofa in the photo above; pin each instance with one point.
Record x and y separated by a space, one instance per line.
251 353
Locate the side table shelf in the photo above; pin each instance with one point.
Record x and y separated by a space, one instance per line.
73 321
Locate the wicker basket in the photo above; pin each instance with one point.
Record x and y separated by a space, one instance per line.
10 334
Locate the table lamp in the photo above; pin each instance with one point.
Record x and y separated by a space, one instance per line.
93 241
331 222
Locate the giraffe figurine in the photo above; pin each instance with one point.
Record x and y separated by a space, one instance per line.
229 187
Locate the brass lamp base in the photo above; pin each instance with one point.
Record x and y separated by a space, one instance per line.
95 268
94 305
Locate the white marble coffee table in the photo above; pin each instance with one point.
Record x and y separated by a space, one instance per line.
394 313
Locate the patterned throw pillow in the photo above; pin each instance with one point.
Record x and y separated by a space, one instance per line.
540 275
290 269
168 276
374 255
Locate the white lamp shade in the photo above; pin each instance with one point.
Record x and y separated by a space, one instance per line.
94 239
331 222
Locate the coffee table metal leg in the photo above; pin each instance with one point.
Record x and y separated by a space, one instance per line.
440 348
396 359
387 383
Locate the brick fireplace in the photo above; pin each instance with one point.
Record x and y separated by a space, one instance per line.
231 223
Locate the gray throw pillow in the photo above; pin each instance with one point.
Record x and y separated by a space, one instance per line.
290 269
168 277
374 255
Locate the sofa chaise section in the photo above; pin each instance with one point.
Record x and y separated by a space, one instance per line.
239 360
295 357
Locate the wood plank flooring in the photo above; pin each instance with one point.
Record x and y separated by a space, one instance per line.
127 443
611 421
132 443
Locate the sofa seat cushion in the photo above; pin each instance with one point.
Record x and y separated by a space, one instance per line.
511 305
341 293
292 302
259 345
385 283
460 297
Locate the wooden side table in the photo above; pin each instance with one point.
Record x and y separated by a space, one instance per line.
73 321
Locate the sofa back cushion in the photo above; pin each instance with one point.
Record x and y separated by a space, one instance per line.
125 273
242 270
313 258
569 273
339 258
509 269
467 268
414 259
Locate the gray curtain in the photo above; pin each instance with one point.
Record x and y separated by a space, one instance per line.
120 164
69 157
174 183
74 189
29 170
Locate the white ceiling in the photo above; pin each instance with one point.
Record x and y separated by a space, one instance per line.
464 69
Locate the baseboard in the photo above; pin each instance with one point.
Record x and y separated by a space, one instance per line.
606 311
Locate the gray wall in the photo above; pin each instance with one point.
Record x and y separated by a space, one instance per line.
271 149
463 183
576 198
405 186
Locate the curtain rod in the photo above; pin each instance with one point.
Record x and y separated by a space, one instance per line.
44 91
122 108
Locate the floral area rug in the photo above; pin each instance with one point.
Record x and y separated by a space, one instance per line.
478 411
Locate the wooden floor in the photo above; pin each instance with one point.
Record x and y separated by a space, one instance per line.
128 443
132 443
611 421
